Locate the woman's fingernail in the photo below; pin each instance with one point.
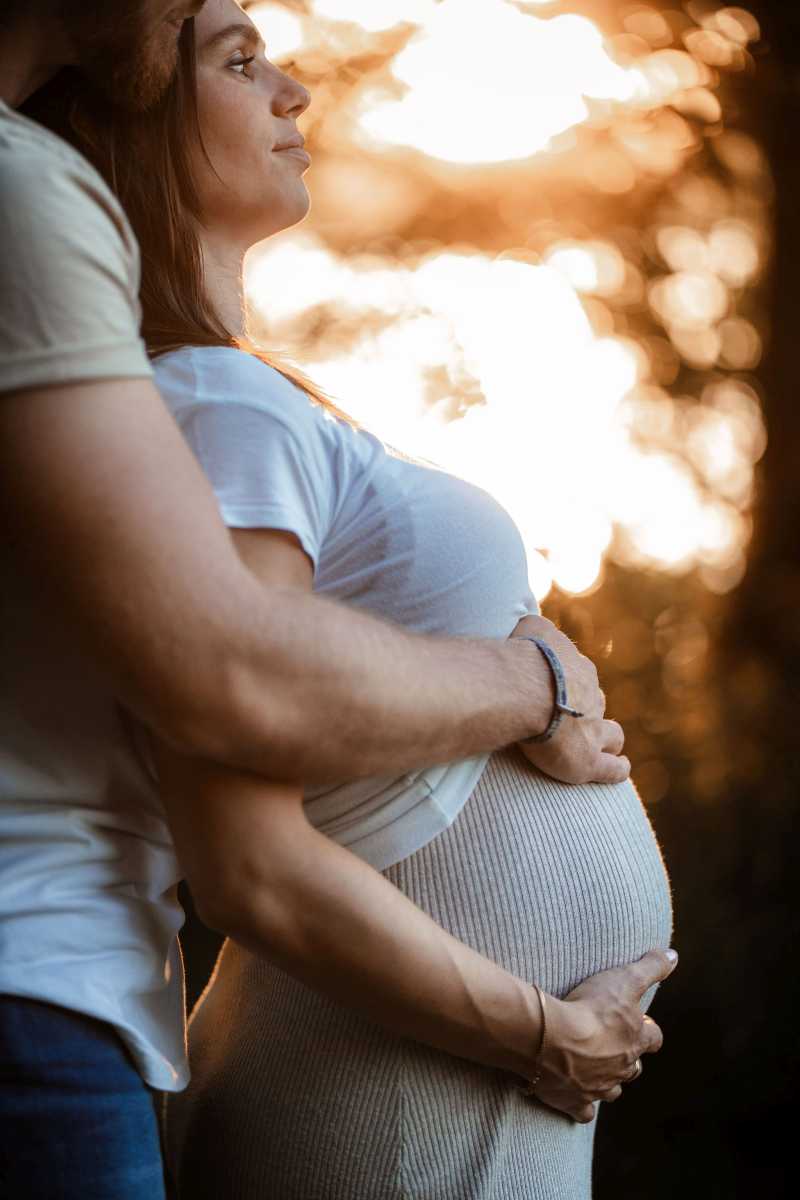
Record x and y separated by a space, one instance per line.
672 955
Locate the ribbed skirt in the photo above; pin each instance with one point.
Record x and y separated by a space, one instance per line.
293 1097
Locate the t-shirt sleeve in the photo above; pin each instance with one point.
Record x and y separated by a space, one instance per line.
268 452
70 274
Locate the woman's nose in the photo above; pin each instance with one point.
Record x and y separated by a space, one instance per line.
291 99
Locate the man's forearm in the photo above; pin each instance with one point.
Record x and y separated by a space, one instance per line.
321 692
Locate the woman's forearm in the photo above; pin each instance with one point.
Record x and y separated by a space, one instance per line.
262 874
331 921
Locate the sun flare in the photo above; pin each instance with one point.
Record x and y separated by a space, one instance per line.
511 368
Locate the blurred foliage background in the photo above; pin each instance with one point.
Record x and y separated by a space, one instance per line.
553 248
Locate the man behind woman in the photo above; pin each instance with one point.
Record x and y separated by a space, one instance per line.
74 737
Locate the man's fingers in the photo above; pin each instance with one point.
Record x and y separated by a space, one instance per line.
655 966
613 737
572 1103
652 1037
612 768
611 1095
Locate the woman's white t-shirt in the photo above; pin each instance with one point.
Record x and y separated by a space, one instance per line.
400 538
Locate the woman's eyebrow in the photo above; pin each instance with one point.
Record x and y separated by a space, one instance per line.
239 30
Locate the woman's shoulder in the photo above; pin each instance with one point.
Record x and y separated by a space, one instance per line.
219 374
224 376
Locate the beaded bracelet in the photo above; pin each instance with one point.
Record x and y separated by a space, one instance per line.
527 1088
560 707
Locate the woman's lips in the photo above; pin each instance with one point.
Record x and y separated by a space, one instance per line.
296 152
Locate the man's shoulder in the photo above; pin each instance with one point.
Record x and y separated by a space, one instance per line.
23 142
70 266
42 171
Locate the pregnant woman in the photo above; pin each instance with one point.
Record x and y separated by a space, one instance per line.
293 1095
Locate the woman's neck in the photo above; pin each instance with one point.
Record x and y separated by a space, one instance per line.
222 276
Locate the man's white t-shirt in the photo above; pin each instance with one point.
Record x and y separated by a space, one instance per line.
88 913
69 308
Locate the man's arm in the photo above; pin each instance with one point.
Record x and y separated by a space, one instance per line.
121 527
112 512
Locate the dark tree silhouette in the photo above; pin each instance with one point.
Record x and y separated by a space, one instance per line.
715 1121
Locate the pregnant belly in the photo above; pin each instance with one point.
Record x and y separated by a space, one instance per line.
556 882
553 882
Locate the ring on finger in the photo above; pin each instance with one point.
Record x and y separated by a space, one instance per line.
636 1071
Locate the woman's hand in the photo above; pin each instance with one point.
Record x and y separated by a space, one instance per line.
586 749
596 1036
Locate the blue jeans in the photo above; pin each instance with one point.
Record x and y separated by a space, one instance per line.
77 1122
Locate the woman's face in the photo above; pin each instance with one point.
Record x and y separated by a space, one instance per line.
248 109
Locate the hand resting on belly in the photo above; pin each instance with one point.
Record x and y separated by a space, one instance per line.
588 750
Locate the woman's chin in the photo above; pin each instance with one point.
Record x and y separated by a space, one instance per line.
292 214
303 204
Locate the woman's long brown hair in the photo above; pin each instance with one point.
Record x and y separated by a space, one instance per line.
146 159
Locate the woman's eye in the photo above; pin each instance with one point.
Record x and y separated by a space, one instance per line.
240 65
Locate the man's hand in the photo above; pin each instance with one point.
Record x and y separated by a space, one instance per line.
596 1036
586 749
